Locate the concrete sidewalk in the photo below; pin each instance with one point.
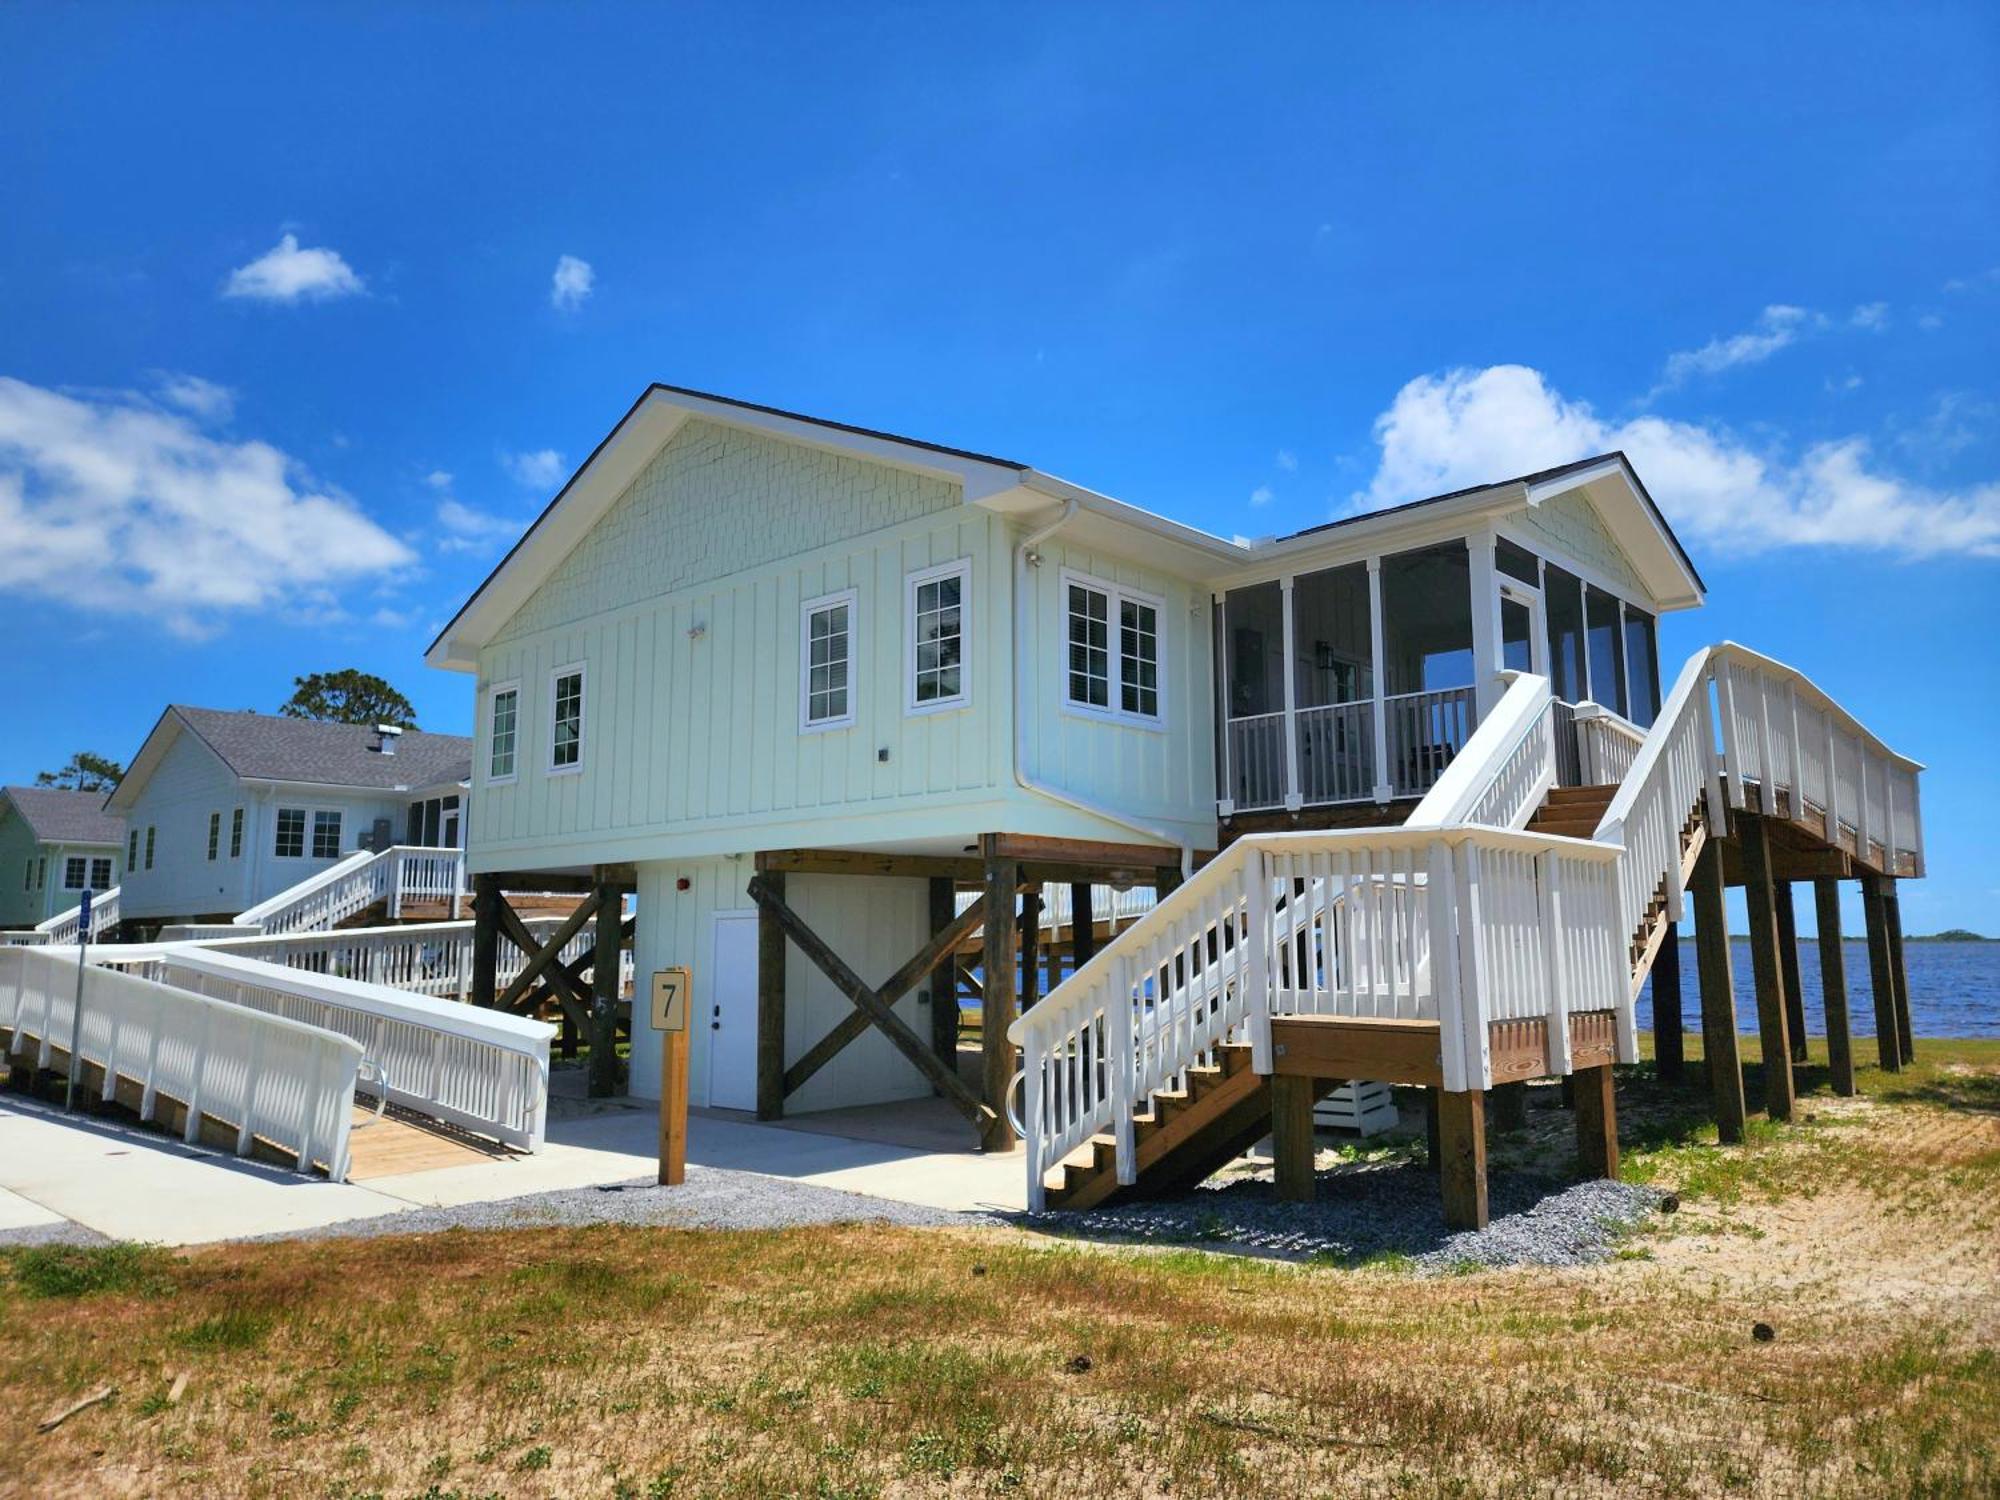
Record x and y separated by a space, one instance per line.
131 1184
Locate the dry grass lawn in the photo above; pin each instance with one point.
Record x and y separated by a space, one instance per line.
870 1361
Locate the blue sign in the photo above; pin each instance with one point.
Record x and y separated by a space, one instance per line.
83 917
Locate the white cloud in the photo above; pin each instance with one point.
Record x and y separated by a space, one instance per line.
1845 384
470 530
1261 495
112 505
1989 277
1468 427
537 470
197 397
439 479
1288 461
287 273
1873 316
1777 327
573 282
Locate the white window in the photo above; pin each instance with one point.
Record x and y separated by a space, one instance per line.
1113 636
505 736
236 834
151 830
826 660
326 834
214 834
291 841
132 851
938 601
100 873
566 722
75 869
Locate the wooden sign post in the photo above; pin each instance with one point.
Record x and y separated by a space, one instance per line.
670 1017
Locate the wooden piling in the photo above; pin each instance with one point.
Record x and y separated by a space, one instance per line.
944 978
1754 837
1292 1137
1905 1031
486 899
1788 968
1881 975
1667 1038
1596 1122
996 1010
1718 996
607 1071
771 1005
1462 1153
1833 983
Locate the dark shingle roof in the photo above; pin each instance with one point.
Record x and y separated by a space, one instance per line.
57 815
268 747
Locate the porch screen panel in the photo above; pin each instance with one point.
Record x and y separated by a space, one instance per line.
1562 602
1517 562
1254 622
1427 674
1607 660
1335 684
1642 666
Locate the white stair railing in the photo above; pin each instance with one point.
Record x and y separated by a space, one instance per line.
1505 769
272 1078
60 930
1607 744
357 882
423 958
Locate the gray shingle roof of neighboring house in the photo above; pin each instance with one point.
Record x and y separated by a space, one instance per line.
58 815
268 747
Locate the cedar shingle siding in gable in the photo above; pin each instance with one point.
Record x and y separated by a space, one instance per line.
714 501
1570 522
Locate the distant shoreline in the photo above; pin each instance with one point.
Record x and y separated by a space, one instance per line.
1848 937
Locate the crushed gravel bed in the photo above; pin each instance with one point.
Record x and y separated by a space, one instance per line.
1380 1209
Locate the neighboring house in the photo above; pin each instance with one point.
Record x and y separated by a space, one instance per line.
745 639
223 810
54 843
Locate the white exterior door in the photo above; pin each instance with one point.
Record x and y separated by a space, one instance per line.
732 1019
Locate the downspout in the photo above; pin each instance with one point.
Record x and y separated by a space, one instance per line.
1024 557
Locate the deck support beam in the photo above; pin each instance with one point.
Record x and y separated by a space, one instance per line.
1754 834
1508 1103
996 1009
486 899
1462 1158
1718 996
1882 975
1833 984
1596 1122
1292 1137
1905 1035
771 1005
1031 947
1788 968
1667 1038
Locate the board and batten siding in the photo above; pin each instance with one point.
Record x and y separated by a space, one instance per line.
881 922
188 784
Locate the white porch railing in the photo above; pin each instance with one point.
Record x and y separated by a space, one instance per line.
1607 744
1337 752
1462 926
1425 733
274 1079
60 930
1505 769
483 1070
1107 904
361 880
1256 758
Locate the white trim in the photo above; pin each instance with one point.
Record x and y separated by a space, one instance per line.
962 569
1114 711
511 685
581 671
807 609
312 813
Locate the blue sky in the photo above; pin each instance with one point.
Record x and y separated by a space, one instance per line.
303 311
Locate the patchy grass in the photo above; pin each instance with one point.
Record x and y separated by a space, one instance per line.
872 1361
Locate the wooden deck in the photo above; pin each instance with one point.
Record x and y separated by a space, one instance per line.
395 1143
1407 1052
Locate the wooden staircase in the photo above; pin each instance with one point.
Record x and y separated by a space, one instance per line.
1572 811
1184 1135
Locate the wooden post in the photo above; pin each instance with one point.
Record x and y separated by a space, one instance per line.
1668 1053
771 1005
1082 930
996 1010
944 978
1905 1032
1881 976
1166 880
673 1099
486 899
1596 1122
1433 1140
1788 968
1292 1137
1031 949
1718 995
1509 1104
1833 983
1754 837
1462 1149
607 1079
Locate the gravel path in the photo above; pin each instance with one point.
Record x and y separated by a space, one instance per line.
1381 1209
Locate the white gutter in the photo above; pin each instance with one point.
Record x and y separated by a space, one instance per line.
1023 555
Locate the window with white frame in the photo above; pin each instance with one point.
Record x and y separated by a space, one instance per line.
132 851
326 834
100 873
566 726
28 873
214 834
291 839
1114 649
75 870
505 736
236 834
151 831
938 600
826 654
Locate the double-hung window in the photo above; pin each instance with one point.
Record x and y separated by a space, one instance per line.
132 851
75 869
291 841
100 873
1113 663
151 831
826 655
214 834
326 833
566 725
939 599
504 739
236 834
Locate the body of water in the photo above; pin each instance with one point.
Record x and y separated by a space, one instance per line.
1954 989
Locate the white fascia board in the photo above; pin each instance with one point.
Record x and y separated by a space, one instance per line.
1175 548
1613 492
1373 535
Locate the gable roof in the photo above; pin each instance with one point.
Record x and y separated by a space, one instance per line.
305 752
1012 487
61 815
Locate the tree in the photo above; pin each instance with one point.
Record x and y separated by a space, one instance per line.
349 697
85 773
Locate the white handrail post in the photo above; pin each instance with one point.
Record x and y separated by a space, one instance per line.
1798 756
1258 917
1555 971
1385 784
1767 784
1475 1065
1294 796
1861 829
1126 1150
1732 754
1446 981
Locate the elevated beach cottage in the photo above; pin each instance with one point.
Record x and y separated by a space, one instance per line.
827 699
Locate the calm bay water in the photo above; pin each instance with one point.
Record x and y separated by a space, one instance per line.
1954 989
